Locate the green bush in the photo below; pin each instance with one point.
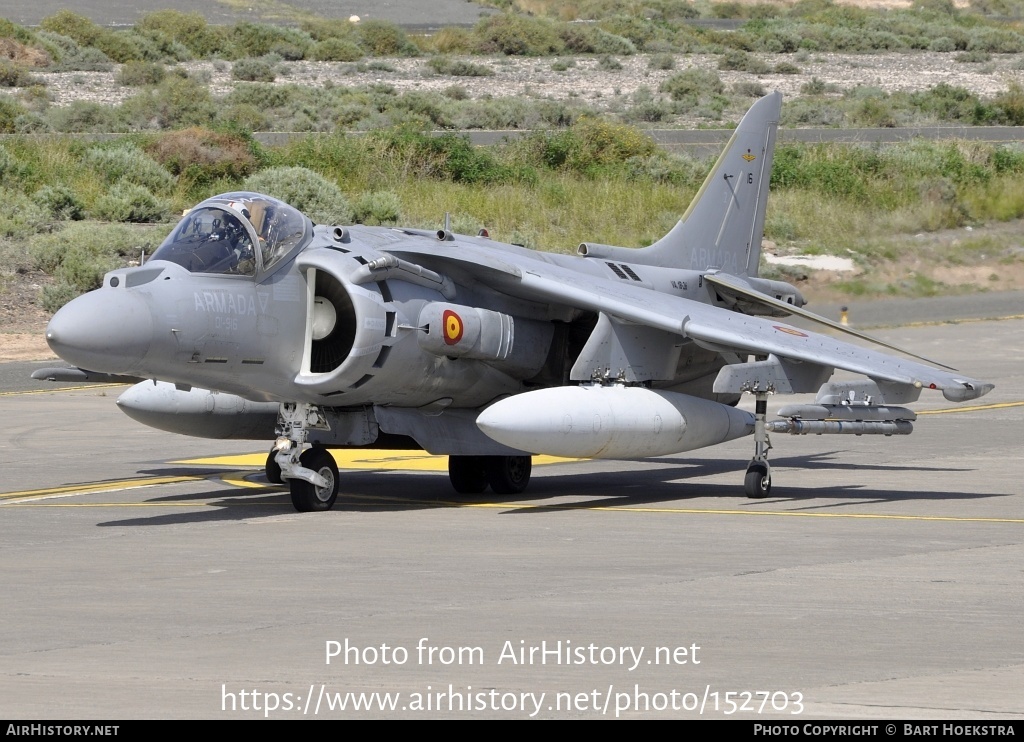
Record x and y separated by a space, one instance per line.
129 202
942 44
82 116
70 57
590 146
662 61
1007 160
321 29
20 216
453 41
10 110
308 191
692 84
946 102
56 295
176 102
336 50
449 157
742 62
120 46
74 26
31 123
663 167
60 202
139 74
996 41
458 67
15 76
517 35
126 162
260 39
594 40
243 117
974 56
254 70
749 89
1010 105
385 39
189 29
377 207
80 254
643 33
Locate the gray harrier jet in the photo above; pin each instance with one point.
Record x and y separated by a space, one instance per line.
252 322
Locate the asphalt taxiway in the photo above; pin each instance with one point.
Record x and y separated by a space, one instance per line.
149 575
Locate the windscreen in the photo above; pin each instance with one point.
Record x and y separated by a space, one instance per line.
210 240
236 233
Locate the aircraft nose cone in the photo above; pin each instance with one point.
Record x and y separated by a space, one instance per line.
108 330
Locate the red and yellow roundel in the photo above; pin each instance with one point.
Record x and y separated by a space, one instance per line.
790 331
452 327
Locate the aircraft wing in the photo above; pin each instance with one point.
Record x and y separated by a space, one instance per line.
723 329
714 327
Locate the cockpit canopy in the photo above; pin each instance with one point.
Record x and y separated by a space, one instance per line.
235 234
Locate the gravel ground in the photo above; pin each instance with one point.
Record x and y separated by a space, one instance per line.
587 81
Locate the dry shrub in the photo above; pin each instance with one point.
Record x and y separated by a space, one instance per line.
27 56
203 154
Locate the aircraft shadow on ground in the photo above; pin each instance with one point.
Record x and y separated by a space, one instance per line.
664 482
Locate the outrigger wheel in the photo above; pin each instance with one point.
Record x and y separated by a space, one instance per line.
758 482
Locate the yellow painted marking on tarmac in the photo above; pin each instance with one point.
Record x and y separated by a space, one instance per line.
343 498
84 387
88 487
33 504
973 408
393 460
235 481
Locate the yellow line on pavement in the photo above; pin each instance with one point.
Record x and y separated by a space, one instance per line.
88 487
85 387
973 408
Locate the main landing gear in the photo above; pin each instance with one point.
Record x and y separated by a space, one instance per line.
506 475
758 481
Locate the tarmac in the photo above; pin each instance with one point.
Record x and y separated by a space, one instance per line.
153 576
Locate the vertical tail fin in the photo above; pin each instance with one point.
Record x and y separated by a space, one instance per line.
723 226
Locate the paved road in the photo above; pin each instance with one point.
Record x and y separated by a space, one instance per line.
881 580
